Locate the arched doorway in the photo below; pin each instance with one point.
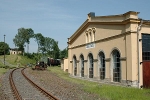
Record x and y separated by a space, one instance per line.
101 65
90 60
116 66
75 65
82 65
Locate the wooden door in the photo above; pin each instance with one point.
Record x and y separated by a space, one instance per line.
146 74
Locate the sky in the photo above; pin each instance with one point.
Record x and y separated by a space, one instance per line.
59 19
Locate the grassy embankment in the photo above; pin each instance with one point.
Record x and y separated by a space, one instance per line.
13 61
16 60
105 91
2 71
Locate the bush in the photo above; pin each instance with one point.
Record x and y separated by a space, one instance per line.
6 66
29 55
12 67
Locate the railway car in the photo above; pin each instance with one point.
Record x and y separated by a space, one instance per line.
53 62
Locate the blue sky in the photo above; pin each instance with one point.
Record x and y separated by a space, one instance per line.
59 19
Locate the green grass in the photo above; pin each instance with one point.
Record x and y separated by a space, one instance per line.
9 58
105 91
2 71
1 64
16 60
24 60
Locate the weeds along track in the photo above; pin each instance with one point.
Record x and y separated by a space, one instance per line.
25 89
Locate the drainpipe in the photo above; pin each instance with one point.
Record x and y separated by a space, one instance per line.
138 53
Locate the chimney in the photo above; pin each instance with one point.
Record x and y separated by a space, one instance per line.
91 14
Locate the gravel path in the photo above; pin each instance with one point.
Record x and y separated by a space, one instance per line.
59 87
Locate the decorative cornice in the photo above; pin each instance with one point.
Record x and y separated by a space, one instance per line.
106 59
115 36
123 22
82 27
129 12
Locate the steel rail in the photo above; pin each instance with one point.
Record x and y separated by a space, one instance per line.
13 87
39 88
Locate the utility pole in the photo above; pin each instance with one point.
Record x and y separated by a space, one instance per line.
4 49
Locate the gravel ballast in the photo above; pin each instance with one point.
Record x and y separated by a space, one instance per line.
60 88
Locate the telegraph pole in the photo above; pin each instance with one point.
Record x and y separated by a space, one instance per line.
4 49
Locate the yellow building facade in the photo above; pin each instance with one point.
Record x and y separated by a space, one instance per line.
109 49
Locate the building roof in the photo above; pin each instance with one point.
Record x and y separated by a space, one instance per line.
130 16
15 49
129 12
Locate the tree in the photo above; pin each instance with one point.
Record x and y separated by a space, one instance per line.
55 50
29 33
19 41
4 46
49 45
64 53
39 38
23 37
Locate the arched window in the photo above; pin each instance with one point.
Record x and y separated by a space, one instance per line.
86 37
116 66
75 65
101 65
93 36
90 34
90 37
90 60
82 65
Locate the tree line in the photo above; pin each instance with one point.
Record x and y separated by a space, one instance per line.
46 45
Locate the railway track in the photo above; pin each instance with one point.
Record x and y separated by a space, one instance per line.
12 84
16 93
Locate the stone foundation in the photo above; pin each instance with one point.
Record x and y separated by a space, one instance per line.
127 83
132 83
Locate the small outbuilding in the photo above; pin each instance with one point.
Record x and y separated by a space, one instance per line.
14 51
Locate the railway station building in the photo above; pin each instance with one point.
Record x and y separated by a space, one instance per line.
112 49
